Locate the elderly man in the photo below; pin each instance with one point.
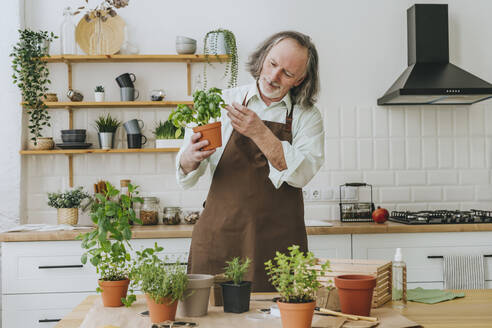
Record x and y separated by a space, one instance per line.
274 145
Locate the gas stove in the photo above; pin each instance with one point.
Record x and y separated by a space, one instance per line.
441 217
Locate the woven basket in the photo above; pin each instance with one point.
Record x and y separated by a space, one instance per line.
42 144
68 216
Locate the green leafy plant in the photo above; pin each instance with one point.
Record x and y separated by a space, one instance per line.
167 130
99 88
210 48
207 106
293 275
67 199
107 124
156 277
31 75
236 268
107 246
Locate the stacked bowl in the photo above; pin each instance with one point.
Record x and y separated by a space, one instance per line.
73 139
185 45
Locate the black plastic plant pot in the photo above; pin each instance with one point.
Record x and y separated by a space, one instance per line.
236 297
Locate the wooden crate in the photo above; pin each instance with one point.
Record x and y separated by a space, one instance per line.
377 268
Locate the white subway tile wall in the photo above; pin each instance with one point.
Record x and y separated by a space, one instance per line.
415 158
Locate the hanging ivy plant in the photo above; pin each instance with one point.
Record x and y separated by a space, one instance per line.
31 76
210 48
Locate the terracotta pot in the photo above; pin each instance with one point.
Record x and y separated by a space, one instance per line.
212 133
162 311
113 291
355 292
296 315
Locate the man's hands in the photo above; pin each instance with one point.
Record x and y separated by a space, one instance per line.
193 155
246 122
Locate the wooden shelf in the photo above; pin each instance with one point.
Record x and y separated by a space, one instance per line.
97 151
112 104
133 58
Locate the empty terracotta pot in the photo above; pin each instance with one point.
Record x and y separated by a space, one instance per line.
113 291
162 311
296 315
212 133
355 293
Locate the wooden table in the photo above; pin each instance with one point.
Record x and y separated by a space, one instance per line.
474 310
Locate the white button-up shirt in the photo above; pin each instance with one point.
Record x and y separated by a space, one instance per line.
303 157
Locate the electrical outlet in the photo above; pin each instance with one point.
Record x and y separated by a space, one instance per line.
316 194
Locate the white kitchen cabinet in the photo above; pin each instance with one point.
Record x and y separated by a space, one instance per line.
330 246
423 271
43 281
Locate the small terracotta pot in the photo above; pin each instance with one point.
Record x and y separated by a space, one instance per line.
160 312
212 133
355 293
113 291
296 315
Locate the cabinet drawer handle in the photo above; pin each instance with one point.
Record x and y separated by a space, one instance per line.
49 320
60 266
441 257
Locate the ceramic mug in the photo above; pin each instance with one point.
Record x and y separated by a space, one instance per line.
129 94
126 80
133 126
135 140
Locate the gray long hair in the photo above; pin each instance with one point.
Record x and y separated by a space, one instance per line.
305 93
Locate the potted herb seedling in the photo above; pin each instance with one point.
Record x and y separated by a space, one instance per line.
99 93
236 292
221 42
31 75
295 279
67 204
106 127
203 116
107 246
163 283
166 135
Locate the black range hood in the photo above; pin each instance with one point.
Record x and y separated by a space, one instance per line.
430 78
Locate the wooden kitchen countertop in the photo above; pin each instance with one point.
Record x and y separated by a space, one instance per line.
184 231
471 311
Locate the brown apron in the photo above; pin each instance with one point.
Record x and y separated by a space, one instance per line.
244 214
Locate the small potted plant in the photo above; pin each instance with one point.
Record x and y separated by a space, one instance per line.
67 204
99 93
295 279
166 135
236 292
206 109
107 246
31 75
221 42
163 284
106 127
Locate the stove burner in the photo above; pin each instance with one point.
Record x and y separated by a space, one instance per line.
441 217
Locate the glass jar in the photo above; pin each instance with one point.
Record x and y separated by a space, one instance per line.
149 211
157 95
67 34
172 215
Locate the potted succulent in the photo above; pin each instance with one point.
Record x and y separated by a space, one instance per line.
236 292
167 135
99 93
295 279
207 107
107 246
106 127
163 283
67 204
31 75
221 42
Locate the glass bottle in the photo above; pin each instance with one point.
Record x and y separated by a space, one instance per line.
399 292
67 34
149 211
172 215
